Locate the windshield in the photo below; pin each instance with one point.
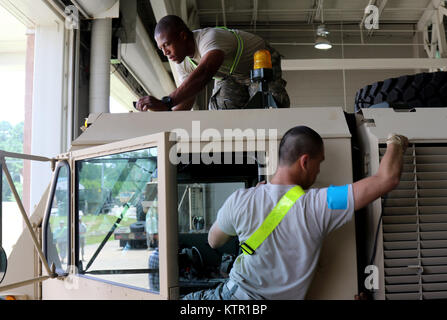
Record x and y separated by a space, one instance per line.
118 217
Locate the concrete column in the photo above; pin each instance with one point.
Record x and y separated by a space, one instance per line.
101 45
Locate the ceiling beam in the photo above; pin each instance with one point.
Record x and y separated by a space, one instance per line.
361 64
310 10
440 33
32 13
427 16
162 8
433 17
429 45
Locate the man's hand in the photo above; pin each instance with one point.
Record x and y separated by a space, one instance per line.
151 103
399 140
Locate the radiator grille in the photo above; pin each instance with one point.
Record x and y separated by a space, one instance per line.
415 226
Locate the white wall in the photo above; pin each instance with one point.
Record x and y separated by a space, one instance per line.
327 88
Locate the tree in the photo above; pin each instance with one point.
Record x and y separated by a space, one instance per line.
11 139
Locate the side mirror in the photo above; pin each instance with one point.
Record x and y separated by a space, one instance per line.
3 263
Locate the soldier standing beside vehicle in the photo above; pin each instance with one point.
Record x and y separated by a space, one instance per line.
280 257
200 55
82 232
61 239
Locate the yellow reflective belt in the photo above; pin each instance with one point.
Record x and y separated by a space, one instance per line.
250 245
240 49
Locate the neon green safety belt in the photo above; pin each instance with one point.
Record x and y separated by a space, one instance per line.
250 245
240 49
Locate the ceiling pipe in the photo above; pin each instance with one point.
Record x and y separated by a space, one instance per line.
254 17
94 8
101 45
311 15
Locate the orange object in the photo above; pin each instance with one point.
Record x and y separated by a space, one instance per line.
262 60
10 298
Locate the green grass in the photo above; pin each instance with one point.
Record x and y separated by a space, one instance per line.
97 226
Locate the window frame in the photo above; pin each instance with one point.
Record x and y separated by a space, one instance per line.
77 236
167 209
47 216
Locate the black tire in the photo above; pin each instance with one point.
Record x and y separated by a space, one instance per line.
422 90
137 227
123 243
137 244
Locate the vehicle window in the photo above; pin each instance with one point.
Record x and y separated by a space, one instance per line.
118 218
200 266
57 224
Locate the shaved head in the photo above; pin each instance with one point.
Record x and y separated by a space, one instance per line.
171 23
174 38
298 141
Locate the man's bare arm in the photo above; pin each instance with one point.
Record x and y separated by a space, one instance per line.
185 105
183 97
386 179
198 79
216 237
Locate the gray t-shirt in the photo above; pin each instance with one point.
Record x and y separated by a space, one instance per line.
219 39
283 265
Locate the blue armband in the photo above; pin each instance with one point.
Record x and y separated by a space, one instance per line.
337 197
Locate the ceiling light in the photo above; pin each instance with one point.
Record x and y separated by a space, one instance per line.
322 42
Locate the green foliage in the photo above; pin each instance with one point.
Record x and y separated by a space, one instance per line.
99 226
114 177
11 139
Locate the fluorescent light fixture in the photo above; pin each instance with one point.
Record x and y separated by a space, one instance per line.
322 42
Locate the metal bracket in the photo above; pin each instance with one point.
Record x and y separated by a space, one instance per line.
51 272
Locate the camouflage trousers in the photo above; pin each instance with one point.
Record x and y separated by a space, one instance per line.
234 93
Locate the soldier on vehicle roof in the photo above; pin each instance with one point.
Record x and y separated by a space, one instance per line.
212 53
